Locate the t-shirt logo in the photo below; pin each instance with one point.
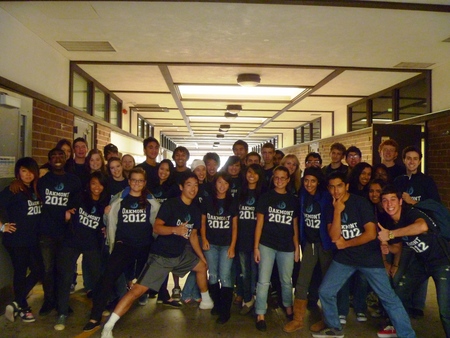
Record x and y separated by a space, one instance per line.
309 208
94 210
187 218
135 205
220 211
205 193
60 187
410 190
251 201
281 205
158 194
344 218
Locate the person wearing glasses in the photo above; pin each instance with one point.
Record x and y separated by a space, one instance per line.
129 227
276 239
353 156
313 159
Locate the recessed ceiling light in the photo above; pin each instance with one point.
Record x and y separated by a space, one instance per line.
248 80
223 119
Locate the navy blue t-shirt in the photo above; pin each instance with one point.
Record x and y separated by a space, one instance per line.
358 212
23 209
163 192
173 213
133 223
279 212
218 221
58 193
312 219
247 222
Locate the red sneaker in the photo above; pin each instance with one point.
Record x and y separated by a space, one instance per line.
387 332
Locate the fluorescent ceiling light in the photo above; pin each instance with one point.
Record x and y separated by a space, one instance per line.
238 92
223 119
378 120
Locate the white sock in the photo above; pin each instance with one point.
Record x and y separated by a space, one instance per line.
205 296
111 321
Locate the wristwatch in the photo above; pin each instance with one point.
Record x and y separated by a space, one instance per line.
391 235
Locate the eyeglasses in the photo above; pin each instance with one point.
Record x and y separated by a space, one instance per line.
353 156
313 162
133 180
281 179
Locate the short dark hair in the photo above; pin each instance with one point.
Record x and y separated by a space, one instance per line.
315 155
181 149
253 153
80 139
212 156
337 174
110 148
338 146
268 145
411 148
316 172
391 189
241 143
185 176
279 152
54 151
353 149
150 139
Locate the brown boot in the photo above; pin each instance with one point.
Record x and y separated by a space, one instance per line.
319 326
299 314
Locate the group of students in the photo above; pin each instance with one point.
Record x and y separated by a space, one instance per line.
240 227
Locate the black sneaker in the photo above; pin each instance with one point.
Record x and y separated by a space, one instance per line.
26 315
90 326
261 325
172 303
46 309
329 333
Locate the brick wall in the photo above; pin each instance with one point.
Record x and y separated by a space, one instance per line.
102 136
361 138
50 124
438 155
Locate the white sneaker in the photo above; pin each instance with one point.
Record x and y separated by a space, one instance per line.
11 311
107 333
343 320
206 304
361 317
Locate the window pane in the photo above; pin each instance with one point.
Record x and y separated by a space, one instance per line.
413 100
99 103
382 109
113 112
359 115
316 129
80 93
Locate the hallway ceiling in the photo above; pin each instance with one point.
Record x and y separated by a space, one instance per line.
340 52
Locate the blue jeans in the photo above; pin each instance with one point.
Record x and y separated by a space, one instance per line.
416 275
378 279
190 289
285 264
357 286
249 274
219 265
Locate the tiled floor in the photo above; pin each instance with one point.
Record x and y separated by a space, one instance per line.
155 320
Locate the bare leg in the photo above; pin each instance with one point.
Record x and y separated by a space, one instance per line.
202 282
125 303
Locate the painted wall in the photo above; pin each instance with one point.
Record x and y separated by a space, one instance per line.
440 88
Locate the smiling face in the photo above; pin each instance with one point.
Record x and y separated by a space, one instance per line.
80 149
412 162
234 169
189 189
364 177
310 183
151 151
291 165
67 150
26 176
137 183
127 162
200 171
163 172
211 167
280 180
222 187
375 193
392 205
57 160
116 170
96 188
252 177
388 154
180 158
239 150
95 162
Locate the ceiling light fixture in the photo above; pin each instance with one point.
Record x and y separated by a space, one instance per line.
220 135
224 128
248 80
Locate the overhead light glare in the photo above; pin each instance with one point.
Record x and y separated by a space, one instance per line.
234 108
220 119
220 135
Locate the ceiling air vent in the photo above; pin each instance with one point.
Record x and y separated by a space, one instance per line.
87 46
413 65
